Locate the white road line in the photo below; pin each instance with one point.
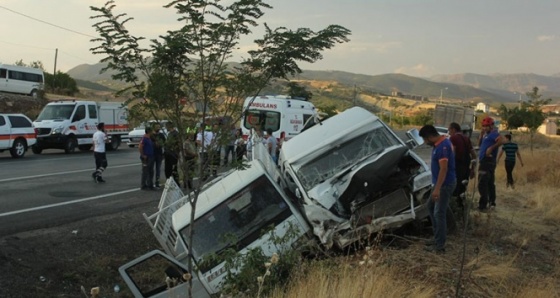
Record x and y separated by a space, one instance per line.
68 202
63 173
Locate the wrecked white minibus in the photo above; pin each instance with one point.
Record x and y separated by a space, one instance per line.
351 176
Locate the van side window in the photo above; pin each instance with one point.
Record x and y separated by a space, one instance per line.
92 112
2 121
2 73
80 113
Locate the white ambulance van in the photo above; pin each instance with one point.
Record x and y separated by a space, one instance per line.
19 79
286 116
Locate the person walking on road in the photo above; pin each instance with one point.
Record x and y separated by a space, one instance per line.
444 182
146 149
512 150
490 141
99 139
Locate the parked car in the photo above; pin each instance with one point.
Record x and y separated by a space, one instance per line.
442 131
16 134
136 134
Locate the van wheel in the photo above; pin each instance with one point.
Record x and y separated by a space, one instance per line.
18 149
34 93
36 149
70 146
115 143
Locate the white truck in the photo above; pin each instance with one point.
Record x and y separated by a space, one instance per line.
69 125
445 114
340 181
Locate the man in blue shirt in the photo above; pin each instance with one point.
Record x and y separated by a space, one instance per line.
146 148
490 141
444 182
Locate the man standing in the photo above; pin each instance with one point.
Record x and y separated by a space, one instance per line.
146 149
158 138
99 139
489 143
204 140
171 152
464 153
444 182
271 145
511 149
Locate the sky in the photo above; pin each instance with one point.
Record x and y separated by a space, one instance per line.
419 38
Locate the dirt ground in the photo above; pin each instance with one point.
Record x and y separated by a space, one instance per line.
57 262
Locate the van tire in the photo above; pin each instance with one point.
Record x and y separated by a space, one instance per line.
18 148
115 143
70 146
36 149
34 93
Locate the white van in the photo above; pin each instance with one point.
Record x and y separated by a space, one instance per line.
19 79
286 116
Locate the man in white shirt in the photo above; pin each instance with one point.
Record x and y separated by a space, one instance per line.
99 139
204 142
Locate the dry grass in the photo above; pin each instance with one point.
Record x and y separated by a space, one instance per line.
512 252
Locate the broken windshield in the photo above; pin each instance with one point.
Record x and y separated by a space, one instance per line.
56 112
237 222
344 155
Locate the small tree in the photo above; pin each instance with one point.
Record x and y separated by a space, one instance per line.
184 75
532 113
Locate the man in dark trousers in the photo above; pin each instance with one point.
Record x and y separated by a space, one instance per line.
172 150
99 139
444 182
158 139
490 142
464 153
146 149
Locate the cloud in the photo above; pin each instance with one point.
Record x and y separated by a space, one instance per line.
545 38
420 69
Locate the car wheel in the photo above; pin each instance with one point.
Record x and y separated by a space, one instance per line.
34 93
36 149
70 146
18 148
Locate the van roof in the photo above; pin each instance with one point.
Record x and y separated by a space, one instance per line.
322 135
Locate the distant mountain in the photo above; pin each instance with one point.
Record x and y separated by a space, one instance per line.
506 84
495 88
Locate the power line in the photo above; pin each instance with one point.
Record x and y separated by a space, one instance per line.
45 22
27 46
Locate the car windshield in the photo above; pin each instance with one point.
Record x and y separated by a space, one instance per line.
56 112
236 222
344 155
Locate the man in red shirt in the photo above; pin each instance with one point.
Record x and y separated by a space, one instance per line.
464 153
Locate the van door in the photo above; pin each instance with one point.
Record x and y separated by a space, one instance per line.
80 122
4 133
3 79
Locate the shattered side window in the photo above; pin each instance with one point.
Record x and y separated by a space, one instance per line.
236 222
345 155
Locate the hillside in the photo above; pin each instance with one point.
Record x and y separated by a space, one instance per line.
498 88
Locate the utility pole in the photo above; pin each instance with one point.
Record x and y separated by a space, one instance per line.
54 72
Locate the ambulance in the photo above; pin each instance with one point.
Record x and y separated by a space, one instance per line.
286 116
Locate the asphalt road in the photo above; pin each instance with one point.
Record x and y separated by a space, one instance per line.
53 188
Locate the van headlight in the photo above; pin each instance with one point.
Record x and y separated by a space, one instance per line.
57 130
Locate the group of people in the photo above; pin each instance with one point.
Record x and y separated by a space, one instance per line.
152 147
453 163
